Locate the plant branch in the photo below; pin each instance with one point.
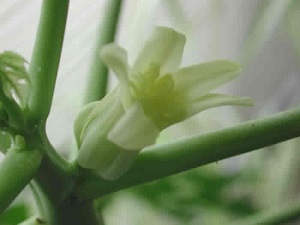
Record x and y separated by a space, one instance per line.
160 161
98 79
55 176
16 170
46 56
280 215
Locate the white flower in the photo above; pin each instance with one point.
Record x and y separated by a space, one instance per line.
153 94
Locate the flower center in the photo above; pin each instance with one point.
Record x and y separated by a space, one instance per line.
156 94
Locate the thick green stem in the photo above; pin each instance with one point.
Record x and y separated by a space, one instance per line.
46 56
54 186
280 215
164 160
16 170
70 211
56 176
98 79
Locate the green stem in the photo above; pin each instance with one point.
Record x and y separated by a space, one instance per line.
46 56
97 84
16 170
71 211
280 215
160 161
54 186
55 176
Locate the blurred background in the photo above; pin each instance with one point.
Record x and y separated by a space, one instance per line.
263 35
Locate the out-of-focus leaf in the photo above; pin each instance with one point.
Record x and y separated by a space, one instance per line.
5 141
183 195
14 215
264 25
14 77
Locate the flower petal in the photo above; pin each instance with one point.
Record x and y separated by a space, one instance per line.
109 161
213 100
81 121
164 48
134 130
95 150
115 57
199 79
90 112
120 165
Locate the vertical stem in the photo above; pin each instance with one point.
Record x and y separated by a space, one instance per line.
98 79
46 56
73 211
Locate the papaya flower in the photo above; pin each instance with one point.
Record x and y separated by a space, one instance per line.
153 94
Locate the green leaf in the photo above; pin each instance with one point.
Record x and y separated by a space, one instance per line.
184 195
14 76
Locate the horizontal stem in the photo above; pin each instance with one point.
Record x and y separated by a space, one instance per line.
160 161
279 215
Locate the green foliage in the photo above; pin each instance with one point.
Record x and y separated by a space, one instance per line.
183 195
14 77
5 141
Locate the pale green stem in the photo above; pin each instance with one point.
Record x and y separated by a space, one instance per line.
164 160
55 178
46 56
43 71
277 216
98 79
16 171
54 186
